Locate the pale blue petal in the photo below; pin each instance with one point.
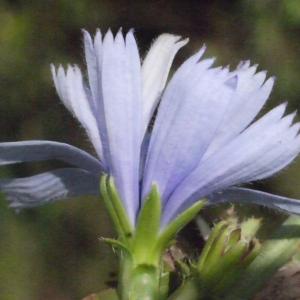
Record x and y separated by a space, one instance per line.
94 56
251 94
82 109
259 151
171 210
48 187
121 78
144 151
190 112
271 150
27 151
59 79
243 195
93 59
72 92
155 70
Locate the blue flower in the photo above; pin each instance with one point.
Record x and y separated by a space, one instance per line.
203 141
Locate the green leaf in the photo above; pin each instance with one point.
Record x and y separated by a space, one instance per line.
147 229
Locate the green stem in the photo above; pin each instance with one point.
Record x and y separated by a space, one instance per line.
138 282
126 269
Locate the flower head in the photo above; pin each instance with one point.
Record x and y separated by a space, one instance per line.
203 141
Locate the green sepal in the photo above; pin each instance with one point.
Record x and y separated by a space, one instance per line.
105 295
147 228
233 273
234 237
168 233
120 246
250 227
274 253
119 209
184 269
115 209
217 248
109 206
254 248
219 268
214 233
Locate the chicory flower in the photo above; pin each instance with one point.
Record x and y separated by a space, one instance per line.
202 143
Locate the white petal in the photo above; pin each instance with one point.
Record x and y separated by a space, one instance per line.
155 70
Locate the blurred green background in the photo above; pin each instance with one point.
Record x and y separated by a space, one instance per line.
54 252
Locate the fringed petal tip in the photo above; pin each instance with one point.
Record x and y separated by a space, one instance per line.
87 35
52 68
56 71
130 31
244 64
85 32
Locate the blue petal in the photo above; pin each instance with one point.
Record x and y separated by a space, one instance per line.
122 90
243 195
270 142
93 61
48 187
94 58
190 112
16 152
250 96
144 151
77 98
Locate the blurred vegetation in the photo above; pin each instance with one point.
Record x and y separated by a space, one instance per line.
54 252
